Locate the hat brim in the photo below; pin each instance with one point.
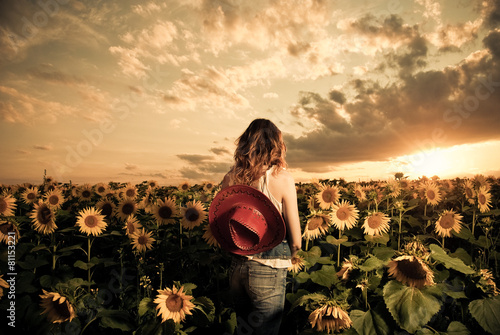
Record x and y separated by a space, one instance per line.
219 212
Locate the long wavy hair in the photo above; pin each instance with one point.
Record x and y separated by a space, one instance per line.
261 145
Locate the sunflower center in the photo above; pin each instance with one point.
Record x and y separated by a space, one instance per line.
62 310
130 193
44 215
481 198
327 196
431 194
343 214
31 196
142 240
91 221
357 193
53 200
6 228
314 223
86 194
107 209
3 205
447 221
174 303
128 209
101 189
165 212
412 269
192 214
184 187
130 227
374 221
468 192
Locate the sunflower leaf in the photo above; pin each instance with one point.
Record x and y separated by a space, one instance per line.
410 307
457 328
438 254
487 313
325 277
145 306
372 263
368 323
82 265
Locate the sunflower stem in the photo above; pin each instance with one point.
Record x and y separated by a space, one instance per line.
180 234
399 234
89 246
54 248
473 220
338 252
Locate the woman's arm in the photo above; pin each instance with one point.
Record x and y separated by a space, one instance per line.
291 213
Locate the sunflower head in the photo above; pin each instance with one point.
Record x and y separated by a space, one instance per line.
165 211
448 221
411 271
6 230
317 225
57 307
7 205
209 237
91 221
54 198
297 264
43 217
376 224
327 196
330 318
344 215
173 304
142 240
193 214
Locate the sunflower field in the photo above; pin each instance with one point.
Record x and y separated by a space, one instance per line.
381 257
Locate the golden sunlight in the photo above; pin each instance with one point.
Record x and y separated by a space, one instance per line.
435 162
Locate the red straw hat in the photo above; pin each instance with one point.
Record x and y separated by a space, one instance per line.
244 221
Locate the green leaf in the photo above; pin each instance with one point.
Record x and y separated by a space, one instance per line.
311 257
115 319
83 265
487 313
457 328
372 263
384 253
204 312
302 277
438 254
382 239
292 297
70 248
332 240
325 277
368 323
145 306
410 307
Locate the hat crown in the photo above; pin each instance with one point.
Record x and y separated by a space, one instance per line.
247 226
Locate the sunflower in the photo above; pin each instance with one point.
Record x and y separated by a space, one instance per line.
132 225
411 271
106 206
142 240
483 199
432 193
129 191
6 230
208 186
393 188
416 248
91 221
193 214
480 181
173 304
184 186
405 184
85 192
299 190
316 226
7 205
152 184
330 318
344 272
297 264
359 193
126 208
44 218
373 193
101 189
327 196
57 307
376 224
313 204
54 198
344 215
469 191
448 221
30 195
488 280
165 211
209 237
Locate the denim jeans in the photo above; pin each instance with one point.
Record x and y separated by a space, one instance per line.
258 293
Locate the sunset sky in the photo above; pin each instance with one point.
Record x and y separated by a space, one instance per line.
97 91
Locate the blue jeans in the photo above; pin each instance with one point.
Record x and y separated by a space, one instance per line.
258 293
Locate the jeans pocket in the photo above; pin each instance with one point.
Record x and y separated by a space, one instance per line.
262 281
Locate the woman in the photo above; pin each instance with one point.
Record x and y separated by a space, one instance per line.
258 282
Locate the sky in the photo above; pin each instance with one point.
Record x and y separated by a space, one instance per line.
129 91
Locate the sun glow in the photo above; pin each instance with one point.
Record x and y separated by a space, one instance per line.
434 162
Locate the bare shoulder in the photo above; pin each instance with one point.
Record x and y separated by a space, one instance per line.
284 179
226 180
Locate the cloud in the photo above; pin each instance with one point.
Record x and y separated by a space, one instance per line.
426 110
130 166
43 147
220 151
